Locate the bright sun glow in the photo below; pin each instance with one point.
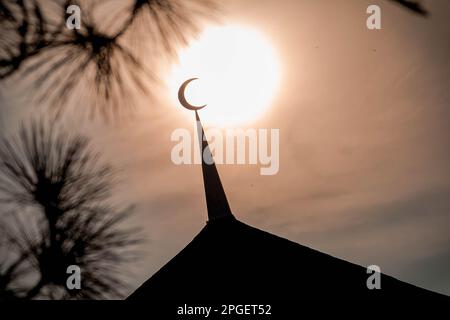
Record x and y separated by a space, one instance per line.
238 75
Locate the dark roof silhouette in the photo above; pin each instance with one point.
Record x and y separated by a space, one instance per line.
229 259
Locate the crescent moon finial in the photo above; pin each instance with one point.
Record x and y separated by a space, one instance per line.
182 98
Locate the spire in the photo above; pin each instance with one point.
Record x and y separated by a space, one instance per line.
216 200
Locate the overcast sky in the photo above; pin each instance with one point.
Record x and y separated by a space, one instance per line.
364 143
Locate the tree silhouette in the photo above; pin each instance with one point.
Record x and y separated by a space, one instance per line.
414 6
99 64
96 63
56 198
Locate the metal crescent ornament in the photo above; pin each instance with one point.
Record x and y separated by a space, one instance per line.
182 98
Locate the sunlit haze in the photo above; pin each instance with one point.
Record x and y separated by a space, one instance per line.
238 73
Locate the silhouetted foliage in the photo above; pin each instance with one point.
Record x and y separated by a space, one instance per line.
97 58
99 63
58 212
414 6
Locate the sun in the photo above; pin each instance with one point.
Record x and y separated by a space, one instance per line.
238 73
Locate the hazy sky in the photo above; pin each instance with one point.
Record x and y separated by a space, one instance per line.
364 143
